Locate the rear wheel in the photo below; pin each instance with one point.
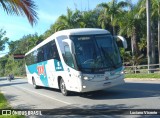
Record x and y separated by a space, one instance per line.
63 88
34 83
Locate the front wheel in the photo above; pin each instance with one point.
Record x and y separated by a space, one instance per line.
34 84
63 88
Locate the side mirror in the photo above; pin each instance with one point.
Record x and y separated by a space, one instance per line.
70 44
124 42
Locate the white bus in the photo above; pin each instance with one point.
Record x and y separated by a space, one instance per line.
79 60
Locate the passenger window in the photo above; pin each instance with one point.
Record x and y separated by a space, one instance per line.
40 55
51 51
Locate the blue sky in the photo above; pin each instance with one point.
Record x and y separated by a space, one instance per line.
48 11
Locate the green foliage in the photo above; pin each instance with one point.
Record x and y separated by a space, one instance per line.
68 21
130 22
24 44
142 44
3 40
17 67
3 62
12 66
111 12
12 116
3 103
143 76
125 55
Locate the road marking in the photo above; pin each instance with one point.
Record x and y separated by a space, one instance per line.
44 95
40 94
137 90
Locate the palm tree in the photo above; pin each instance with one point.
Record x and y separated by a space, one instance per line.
103 20
88 19
128 24
68 21
21 7
112 9
156 12
152 18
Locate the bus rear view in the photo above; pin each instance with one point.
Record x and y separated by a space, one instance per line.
89 60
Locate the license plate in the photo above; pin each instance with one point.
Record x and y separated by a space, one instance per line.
107 83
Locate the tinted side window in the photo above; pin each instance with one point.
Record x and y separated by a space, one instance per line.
40 55
46 52
31 58
51 51
34 56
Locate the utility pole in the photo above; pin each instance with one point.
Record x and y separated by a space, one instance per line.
149 47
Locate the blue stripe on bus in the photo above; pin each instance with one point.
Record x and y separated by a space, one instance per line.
43 77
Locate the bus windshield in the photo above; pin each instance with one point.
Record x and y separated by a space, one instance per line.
96 53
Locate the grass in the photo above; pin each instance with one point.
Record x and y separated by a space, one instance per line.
5 105
144 76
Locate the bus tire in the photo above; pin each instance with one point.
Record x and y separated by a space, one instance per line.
34 83
63 88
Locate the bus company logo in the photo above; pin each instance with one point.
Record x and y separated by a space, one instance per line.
40 70
58 66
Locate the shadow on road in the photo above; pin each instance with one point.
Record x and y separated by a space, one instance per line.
128 90
93 111
12 98
11 83
3 79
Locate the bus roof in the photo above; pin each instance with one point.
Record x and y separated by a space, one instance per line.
78 31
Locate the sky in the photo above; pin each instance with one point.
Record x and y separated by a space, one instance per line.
48 12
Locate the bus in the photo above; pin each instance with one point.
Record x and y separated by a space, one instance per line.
79 60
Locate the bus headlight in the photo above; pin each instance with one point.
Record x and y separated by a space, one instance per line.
122 72
87 78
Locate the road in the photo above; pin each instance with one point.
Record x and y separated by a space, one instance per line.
131 95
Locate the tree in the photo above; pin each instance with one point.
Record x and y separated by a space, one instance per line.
3 62
3 40
24 44
68 21
156 12
21 7
129 24
103 20
88 19
112 10
151 10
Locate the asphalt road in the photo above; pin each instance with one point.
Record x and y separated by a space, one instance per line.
131 95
